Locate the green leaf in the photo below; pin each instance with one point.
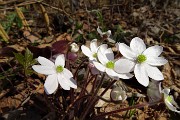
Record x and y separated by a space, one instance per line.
20 58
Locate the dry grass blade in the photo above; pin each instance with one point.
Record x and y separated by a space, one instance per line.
3 34
46 17
21 16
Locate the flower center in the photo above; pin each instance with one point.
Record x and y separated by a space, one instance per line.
141 58
95 55
169 98
110 64
59 68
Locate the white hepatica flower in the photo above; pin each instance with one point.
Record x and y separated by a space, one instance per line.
107 63
105 35
92 52
56 74
169 100
143 61
74 47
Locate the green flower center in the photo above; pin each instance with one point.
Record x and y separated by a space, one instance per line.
59 69
95 55
110 64
169 98
141 58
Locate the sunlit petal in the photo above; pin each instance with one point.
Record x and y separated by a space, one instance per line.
137 45
51 84
93 46
153 51
44 69
111 40
99 31
60 60
154 72
86 51
99 66
44 61
124 65
68 76
141 74
127 52
156 61
63 82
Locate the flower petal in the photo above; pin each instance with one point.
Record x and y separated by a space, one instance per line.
44 69
63 82
127 52
141 74
124 66
99 66
45 62
108 33
153 51
51 84
60 60
109 54
171 107
111 40
115 75
68 76
99 31
93 46
86 51
101 54
154 72
137 45
156 61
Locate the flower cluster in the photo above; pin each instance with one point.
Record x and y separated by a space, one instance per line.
135 58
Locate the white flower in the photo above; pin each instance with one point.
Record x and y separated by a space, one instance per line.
169 100
117 94
74 47
105 35
92 52
56 74
107 63
143 61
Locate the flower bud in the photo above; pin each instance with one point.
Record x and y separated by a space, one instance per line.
74 47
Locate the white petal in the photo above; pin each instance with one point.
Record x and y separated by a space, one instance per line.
112 74
86 51
137 45
68 76
99 66
127 52
111 40
108 33
99 31
171 107
44 69
101 54
45 62
51 84
124 66
63 82
154 72
93 45
60 60
109 54
156 61
141 74
154 51
125 75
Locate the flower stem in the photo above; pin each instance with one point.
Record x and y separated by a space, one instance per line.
124 109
